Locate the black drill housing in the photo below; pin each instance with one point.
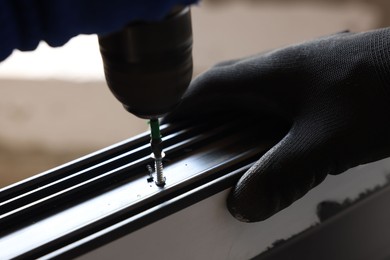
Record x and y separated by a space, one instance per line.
148 66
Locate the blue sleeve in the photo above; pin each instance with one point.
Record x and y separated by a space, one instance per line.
24 23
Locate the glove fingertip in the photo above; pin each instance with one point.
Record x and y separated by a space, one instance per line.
244 211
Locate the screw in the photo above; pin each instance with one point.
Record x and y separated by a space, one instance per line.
159 169
150 170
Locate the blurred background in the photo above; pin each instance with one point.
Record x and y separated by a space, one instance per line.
55 106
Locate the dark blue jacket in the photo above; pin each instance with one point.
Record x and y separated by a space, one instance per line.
24 23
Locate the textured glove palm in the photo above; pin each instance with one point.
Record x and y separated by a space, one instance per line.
335 93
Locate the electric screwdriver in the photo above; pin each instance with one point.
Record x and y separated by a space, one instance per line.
148 67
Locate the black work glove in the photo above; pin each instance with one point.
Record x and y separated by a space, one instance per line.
335 92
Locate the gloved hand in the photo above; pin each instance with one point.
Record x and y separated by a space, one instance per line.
24 23
335 92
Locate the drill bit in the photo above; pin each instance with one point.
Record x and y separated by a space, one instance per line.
157 152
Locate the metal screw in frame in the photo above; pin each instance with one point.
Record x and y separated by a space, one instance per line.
157 153
158 165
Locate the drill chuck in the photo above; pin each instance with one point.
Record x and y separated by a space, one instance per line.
148 65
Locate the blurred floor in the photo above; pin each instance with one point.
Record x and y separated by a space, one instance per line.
54 105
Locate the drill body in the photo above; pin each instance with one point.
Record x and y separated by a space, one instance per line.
148 66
